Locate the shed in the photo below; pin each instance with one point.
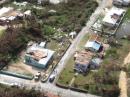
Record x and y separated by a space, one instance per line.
93 46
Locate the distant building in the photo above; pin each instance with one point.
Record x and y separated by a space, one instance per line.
82 61
8 14
113 16
38 56
121 2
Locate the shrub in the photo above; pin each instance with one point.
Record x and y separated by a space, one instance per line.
112 53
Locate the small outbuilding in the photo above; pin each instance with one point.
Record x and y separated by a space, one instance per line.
93 46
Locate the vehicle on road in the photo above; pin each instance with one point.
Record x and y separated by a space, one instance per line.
52 77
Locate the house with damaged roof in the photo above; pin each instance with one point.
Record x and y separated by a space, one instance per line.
82 61
38 56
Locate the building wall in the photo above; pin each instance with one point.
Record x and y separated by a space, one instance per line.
32 62
81 68
109 24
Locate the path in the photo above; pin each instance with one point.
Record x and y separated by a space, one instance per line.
123 84
123 78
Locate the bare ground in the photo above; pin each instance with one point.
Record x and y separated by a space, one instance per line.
123 78
20 67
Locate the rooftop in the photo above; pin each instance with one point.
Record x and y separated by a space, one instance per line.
83 57
9 13
93 44
113 15
39 54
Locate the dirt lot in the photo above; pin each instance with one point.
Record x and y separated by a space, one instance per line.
20 67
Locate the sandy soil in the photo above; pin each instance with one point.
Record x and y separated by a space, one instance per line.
123 84
20 67
123 78
127 59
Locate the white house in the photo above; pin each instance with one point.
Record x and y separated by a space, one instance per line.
113 17
121 2
38 56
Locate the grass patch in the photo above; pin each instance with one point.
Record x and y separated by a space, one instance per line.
67 73
2 30
127 15
83 42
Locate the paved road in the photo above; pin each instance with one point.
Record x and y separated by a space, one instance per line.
51 87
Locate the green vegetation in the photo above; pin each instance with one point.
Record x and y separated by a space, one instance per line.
15 92
112 53
44 25
127 15
68 73
2 30
69 17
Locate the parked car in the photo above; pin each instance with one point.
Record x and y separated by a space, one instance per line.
52 77
37 76
17 85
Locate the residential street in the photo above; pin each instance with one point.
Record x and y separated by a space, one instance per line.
51 87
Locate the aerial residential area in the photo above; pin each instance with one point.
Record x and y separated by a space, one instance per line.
64 48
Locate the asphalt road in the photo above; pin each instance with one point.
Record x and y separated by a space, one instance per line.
48 87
